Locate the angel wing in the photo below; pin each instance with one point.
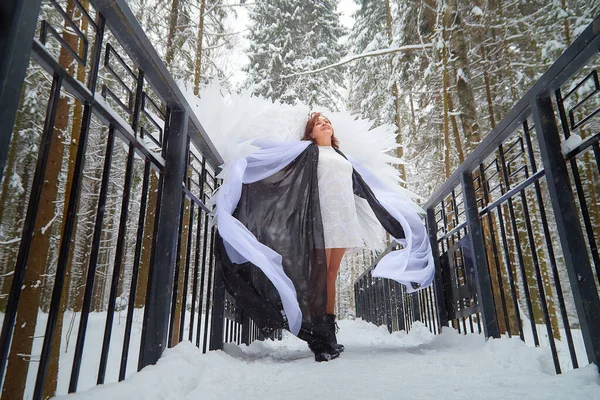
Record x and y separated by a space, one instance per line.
233 120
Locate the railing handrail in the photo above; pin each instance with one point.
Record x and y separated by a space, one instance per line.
580 51
127 30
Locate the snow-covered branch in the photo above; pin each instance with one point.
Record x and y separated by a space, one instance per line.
374 53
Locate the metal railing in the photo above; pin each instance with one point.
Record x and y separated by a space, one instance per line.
511 255
386 302
105 248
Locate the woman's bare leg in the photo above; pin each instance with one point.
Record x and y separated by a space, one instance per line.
334 259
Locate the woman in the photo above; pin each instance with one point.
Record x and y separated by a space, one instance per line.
286 214
338 211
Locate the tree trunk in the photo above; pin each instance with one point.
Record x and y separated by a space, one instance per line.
24 331
455 130
464 88
566 22
395 94
104 258
447 164
140 294
488 90
52 375
9 199
198 63
180 278
173 18
78 280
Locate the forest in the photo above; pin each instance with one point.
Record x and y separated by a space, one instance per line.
442 73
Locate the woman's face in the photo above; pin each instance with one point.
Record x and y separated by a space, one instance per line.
322 131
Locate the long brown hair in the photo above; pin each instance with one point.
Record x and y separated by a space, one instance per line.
310 124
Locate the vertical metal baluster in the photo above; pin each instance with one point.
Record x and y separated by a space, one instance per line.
509 272
416 311
442 312
20 21
135 118
63 256
518 247
360 299
87 297
217 299
585 214
375 299
392 305
481 270
571 236
484 187
365 297
118 263
430 309
134 274
538 278
450 301
176 274
204 245
195 277
89 285
400 308
388 304
187 267
459 267
186 271
356 299
372 300
423 307
203 305
380 302
550 248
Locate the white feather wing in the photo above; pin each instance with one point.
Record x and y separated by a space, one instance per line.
233 120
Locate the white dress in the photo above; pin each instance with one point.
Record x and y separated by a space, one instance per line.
336 197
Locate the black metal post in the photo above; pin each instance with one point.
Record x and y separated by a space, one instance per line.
572 241
18 19
387 299
439 286
118 265
91 272
400 317
134 274
415 307
245 334
160 285
218 311
485 296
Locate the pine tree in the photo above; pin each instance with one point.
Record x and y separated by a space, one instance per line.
370 96
287 37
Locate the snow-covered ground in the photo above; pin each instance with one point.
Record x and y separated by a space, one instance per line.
375 365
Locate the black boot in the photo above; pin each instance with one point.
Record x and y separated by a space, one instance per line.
323 351
317 337
332 328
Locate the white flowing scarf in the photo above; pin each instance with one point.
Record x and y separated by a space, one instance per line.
412 263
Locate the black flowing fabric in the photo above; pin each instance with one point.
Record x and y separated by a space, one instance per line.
283 212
